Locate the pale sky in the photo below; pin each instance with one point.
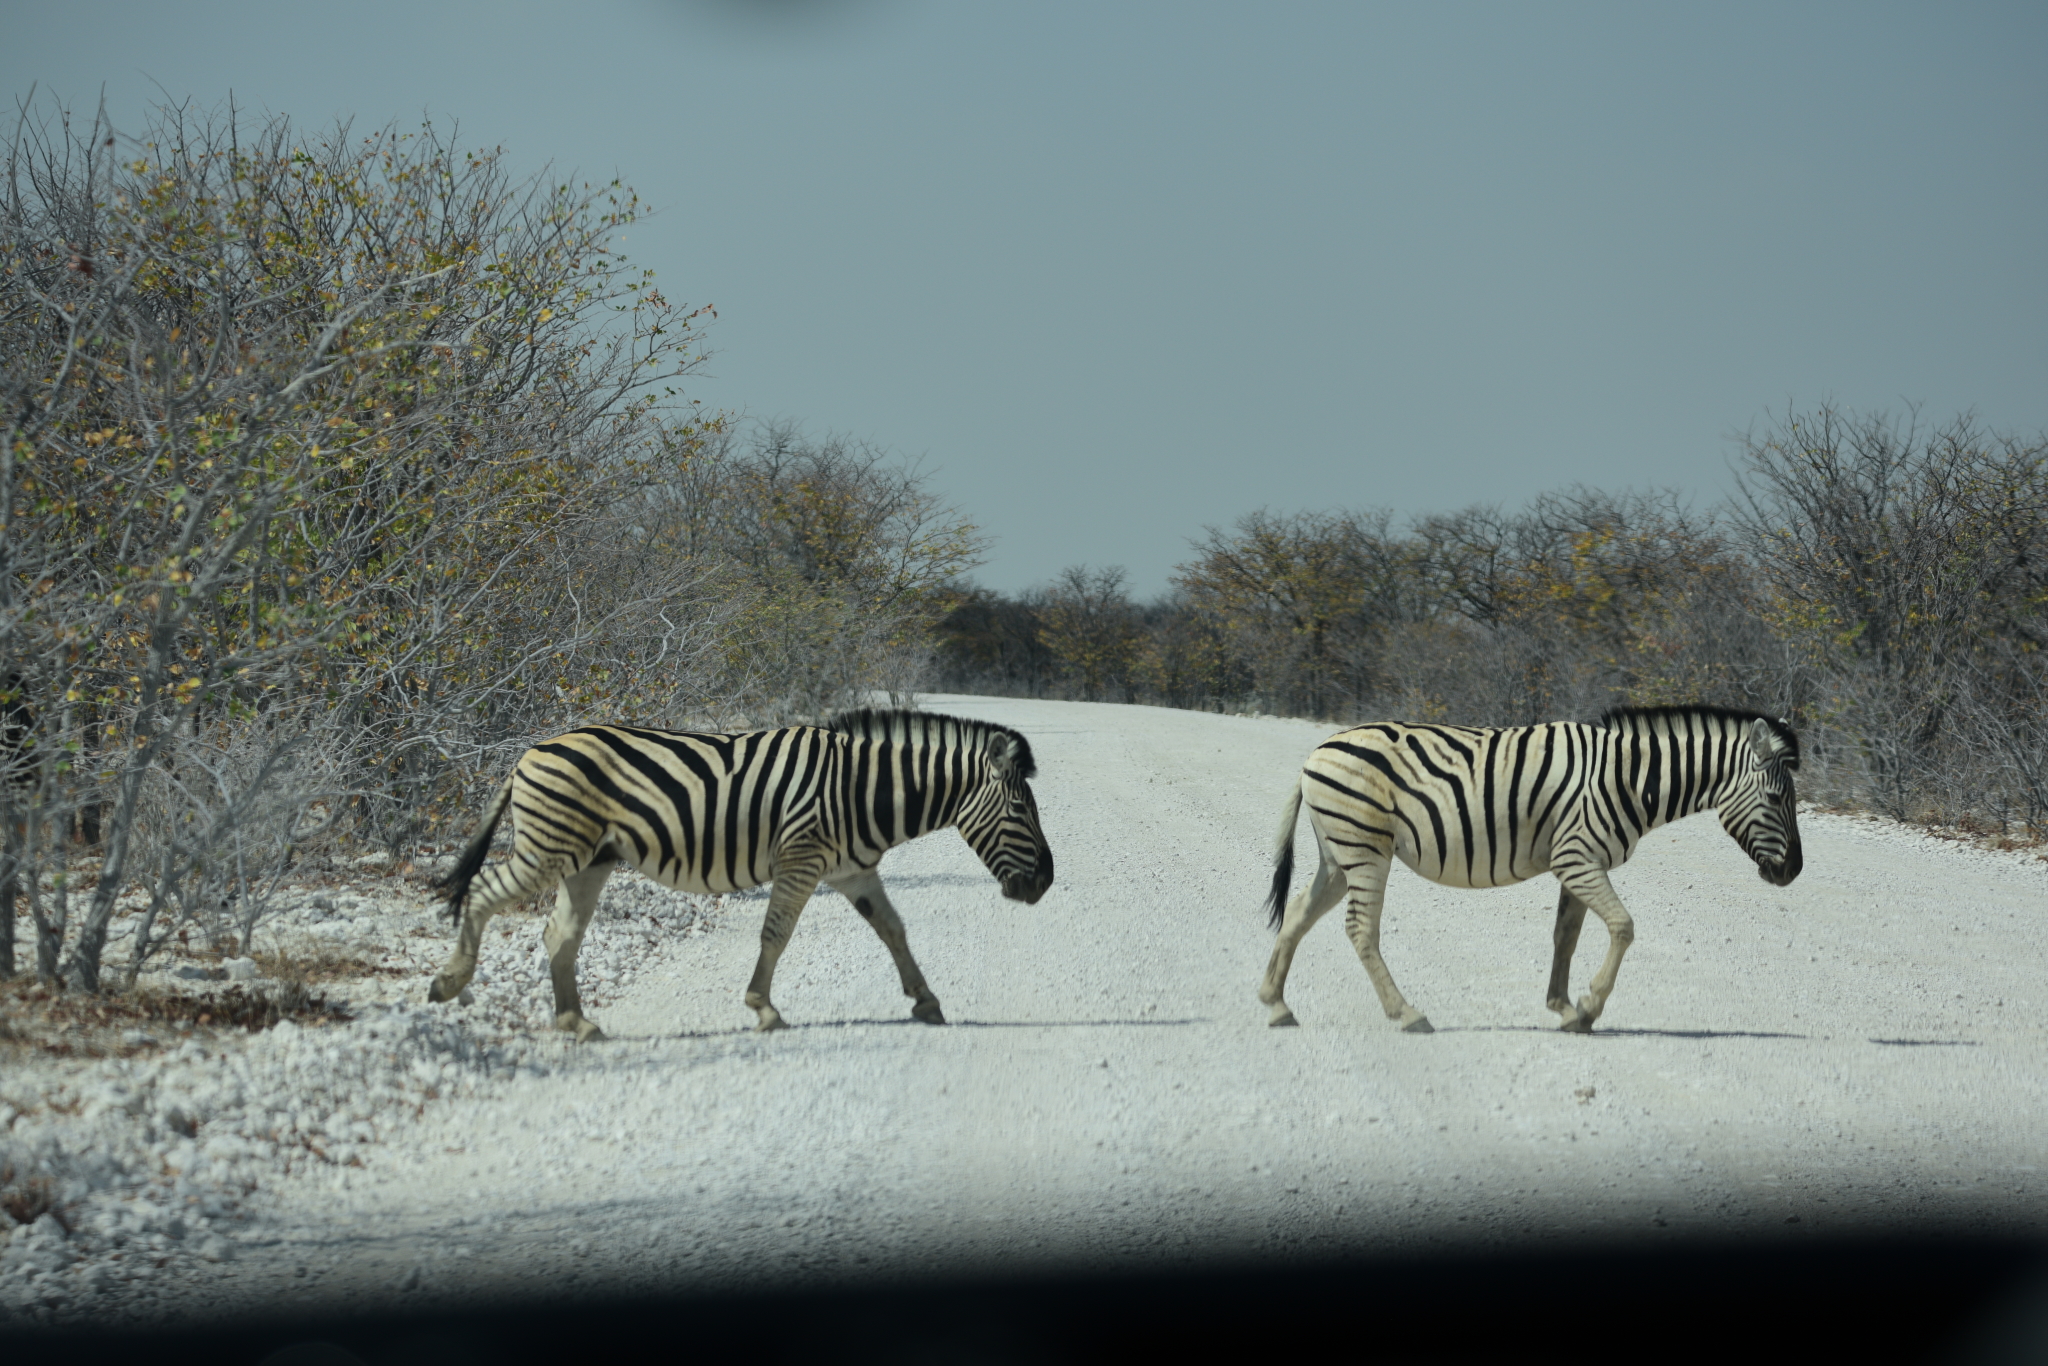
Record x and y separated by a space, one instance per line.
1119 271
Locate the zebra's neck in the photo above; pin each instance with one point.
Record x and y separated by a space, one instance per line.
933 764
931 730
1677 761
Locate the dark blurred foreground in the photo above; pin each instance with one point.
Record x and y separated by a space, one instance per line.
1933 1299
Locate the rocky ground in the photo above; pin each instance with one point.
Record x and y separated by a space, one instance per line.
139 1139
1858 1051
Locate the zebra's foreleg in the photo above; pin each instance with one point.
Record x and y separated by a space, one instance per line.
1368 883
864 890
1592 887
795 880
575 903
1309 905
1564 938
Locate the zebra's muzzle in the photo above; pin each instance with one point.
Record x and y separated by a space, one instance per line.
1781 872
1029 887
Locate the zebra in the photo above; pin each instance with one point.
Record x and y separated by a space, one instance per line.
722 812
1471 806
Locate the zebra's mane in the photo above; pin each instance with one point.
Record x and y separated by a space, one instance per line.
923 727
1613 715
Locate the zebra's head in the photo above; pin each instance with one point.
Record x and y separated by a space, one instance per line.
1762 811
999 820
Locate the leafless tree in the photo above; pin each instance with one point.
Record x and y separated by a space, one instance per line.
994 643
1909 563
1308 596
837 558
1091 628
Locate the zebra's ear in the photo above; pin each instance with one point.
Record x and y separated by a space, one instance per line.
1002 755
1764 741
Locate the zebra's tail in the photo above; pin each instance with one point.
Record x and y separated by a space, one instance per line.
456 884
1283 857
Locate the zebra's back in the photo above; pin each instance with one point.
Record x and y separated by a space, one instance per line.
701 812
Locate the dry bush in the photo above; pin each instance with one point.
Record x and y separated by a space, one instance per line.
834 559
1907 568
1882 583
313 449
994 643
1093 632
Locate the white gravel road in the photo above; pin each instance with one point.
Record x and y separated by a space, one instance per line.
1861 1049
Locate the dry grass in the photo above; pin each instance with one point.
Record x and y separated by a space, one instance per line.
1967 829
1985 834
37 1018
27 1201
320 964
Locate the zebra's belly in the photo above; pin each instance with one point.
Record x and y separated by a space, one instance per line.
684 877
1484 869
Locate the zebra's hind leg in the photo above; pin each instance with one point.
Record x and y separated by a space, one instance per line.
796 877
1368 883
497 887
1309 905
864 890
1571 915
575 903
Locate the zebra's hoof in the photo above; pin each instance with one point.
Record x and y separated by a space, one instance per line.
1576 1023
929 1012
1284 1020
770 1022
1419 1025
437 991
589 1033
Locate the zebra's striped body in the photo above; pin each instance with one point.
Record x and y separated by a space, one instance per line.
1473 806
721 812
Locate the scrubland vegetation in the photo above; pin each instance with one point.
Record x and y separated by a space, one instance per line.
336 467
1880 580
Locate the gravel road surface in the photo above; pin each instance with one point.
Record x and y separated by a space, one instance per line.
1862 1049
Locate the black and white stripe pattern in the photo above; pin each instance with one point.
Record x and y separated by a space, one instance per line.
721 812
1470 806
